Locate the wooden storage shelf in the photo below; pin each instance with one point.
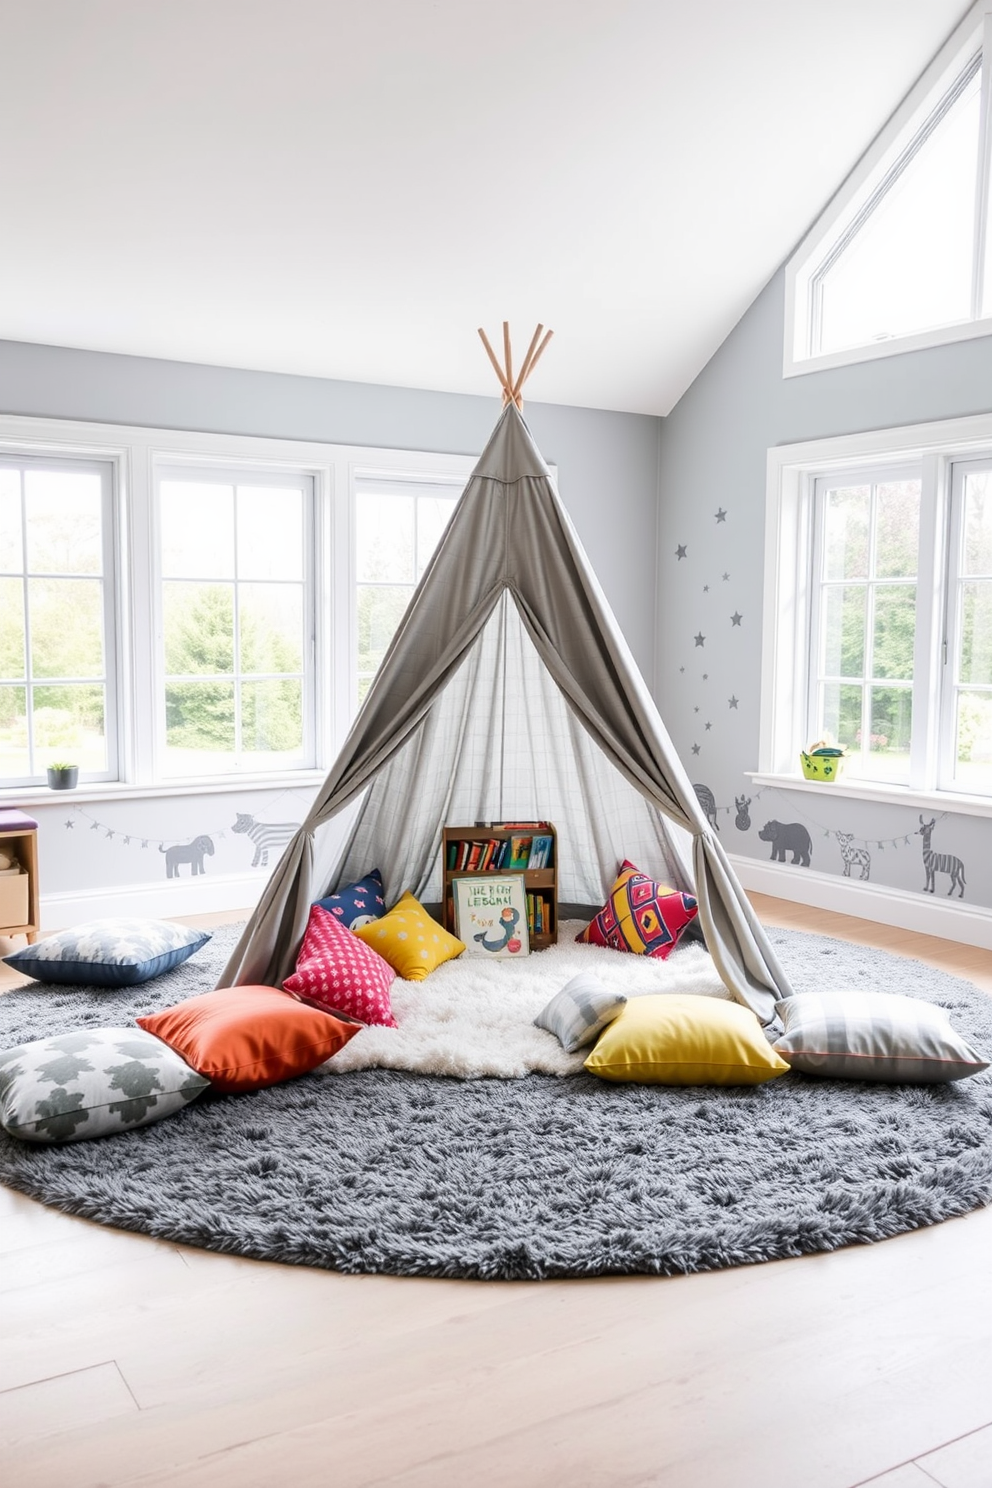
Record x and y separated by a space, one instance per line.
19 912
542 882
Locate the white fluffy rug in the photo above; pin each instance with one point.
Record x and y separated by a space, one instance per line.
472 1017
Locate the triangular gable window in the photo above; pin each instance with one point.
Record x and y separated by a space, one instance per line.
899 259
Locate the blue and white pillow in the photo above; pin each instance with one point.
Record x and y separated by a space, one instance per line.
109 953
358 903
578 1013
91 1084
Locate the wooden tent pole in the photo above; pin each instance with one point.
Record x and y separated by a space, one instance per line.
496 366
538 353
507 355
524 372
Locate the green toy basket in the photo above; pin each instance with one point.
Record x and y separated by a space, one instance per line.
822 762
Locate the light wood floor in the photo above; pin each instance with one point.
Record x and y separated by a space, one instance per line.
124 1361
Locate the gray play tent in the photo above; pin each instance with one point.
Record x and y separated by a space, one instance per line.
509 693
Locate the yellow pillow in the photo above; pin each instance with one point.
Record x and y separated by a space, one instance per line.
410 940
685 1041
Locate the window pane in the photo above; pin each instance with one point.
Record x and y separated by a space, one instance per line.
840 714
272 718
974 742
270 533
894 631
846 532
976 633
433 516
271 620
199 629
199 724
380 610
11 630
197 530
70 727
897 529
65 518
11 554
66 627
14 757
385 539
978 522
891 716
909 266
844 631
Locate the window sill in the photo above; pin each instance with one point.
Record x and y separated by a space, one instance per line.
890 795
121 790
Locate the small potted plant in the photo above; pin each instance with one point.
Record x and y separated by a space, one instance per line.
63 777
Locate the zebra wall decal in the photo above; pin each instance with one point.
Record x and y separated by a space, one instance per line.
264 835
935 863
853 855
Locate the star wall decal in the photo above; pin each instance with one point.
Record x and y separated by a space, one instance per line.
69 825
707 726
736 618
706 588
681 669
733 701
706 676
695 748
700 639
726 577
94 826
721 515
695 710
680 551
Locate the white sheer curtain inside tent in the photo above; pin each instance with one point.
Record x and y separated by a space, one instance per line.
501 744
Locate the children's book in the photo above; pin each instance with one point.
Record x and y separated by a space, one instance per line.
519 855
491 915
540 852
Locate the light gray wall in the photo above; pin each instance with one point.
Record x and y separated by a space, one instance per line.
607 470
713 457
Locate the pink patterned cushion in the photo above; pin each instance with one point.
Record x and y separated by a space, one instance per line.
640 916
339 973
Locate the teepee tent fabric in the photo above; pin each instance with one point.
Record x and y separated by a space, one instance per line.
458 681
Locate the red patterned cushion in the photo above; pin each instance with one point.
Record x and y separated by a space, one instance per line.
340 973
640 916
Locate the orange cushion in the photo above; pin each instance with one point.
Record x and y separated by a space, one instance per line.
242 1038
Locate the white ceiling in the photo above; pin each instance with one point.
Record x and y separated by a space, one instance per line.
347 188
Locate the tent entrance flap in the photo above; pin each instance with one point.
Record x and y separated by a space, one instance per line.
509 693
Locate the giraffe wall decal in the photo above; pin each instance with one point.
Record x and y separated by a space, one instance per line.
935 863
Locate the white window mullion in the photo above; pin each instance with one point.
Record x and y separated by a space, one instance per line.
928 650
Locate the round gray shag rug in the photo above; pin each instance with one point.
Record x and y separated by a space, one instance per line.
382 1171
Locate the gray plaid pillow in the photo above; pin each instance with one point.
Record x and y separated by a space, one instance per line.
873 1036
580 1011
91 1083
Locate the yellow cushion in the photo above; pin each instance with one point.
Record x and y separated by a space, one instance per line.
410 940
685 1041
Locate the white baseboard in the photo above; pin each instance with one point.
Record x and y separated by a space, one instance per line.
951 919
205 894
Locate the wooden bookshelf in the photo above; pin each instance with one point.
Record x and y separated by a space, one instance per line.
19 901
541 882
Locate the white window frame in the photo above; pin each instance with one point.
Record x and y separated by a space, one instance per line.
243 475
789 514
133 454
106 470
422 482
853 476
856 196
